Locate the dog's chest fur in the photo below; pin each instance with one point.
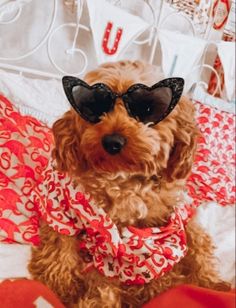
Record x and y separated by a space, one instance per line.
133 200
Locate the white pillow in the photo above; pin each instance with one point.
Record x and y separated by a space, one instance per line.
43 99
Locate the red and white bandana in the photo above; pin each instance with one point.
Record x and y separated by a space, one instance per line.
135 256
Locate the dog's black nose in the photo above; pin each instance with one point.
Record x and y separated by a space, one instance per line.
113 143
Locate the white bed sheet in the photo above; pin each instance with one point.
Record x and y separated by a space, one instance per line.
45 100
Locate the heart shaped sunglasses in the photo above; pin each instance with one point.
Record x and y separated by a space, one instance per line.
145 104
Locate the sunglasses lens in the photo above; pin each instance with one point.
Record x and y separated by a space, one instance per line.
149 105
92 103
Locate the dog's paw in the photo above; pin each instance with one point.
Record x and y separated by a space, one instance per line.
221 286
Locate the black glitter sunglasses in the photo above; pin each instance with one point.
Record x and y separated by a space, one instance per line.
146 104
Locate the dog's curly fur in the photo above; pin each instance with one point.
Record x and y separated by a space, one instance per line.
140 186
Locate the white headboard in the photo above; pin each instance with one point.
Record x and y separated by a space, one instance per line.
49 39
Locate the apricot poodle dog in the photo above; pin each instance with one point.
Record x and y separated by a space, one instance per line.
129 141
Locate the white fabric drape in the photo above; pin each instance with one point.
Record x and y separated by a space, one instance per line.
101 12
226 52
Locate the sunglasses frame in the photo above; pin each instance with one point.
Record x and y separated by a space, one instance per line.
176 84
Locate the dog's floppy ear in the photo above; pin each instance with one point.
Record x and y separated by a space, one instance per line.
185 140
67 131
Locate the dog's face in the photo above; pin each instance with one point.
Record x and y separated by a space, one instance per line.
118 142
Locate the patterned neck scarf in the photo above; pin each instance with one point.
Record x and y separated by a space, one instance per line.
134 256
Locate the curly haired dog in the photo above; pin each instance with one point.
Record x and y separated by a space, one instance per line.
138 185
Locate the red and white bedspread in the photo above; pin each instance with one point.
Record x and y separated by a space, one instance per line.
25 147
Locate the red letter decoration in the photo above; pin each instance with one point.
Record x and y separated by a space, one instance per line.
106 49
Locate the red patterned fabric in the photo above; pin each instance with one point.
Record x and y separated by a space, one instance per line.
32 188
25 146
213 174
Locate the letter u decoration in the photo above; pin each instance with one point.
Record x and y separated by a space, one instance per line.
106 37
